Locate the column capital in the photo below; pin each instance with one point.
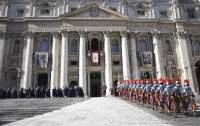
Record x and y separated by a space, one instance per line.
82 33
155 33
2 35
65 33
181 34
106 33
29 34
123 33
55 35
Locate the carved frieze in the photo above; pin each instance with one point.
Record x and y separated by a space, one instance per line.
2 35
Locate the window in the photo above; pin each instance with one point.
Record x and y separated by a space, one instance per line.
45 9
168 47
16 47
163 14
116 62
44 46
115 46
197 47
74 47
114 9
191 13
74 63
141 13
73 8
140 10
143 46
20 13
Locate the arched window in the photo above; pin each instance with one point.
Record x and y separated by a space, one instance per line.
168 46
143 46
74 47
16 47
115 46
45 8
44 46
197 46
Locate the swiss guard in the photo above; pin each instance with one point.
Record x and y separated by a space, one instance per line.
168 91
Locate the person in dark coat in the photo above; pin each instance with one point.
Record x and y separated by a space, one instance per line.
37 92
8 93
81 94
47 93
4 93
72 92
77 88
60 92
32 93
22 94
43 90
14 93
1 93
54 92
65 91
28 93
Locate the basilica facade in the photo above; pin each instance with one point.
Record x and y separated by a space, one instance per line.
57 43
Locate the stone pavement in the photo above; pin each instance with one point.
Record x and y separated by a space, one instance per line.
102 111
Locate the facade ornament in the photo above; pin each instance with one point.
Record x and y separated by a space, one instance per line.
55 35
105 3
65 33
29 34
82 33
155 33
106 33
181 34
123 33
2 35
94 11
174 3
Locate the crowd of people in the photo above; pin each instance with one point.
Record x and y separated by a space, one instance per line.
41 92
159 93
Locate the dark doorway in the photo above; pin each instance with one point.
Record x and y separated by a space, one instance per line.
43 80
95 45
73 83
198 73
95 84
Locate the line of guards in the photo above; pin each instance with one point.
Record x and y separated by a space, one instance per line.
159 93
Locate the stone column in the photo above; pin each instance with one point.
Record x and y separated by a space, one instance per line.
6 7
125 56
108 64
33 9
175 9
157 53
28 61
2 47
82 61
64 60
135 72
184 58
54 70
66 6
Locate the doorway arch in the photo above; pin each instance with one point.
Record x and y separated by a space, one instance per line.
197 65
73 83
12 78
95 44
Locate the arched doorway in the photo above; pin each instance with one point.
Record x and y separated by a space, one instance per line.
73 84
197 65
12 75
95 45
